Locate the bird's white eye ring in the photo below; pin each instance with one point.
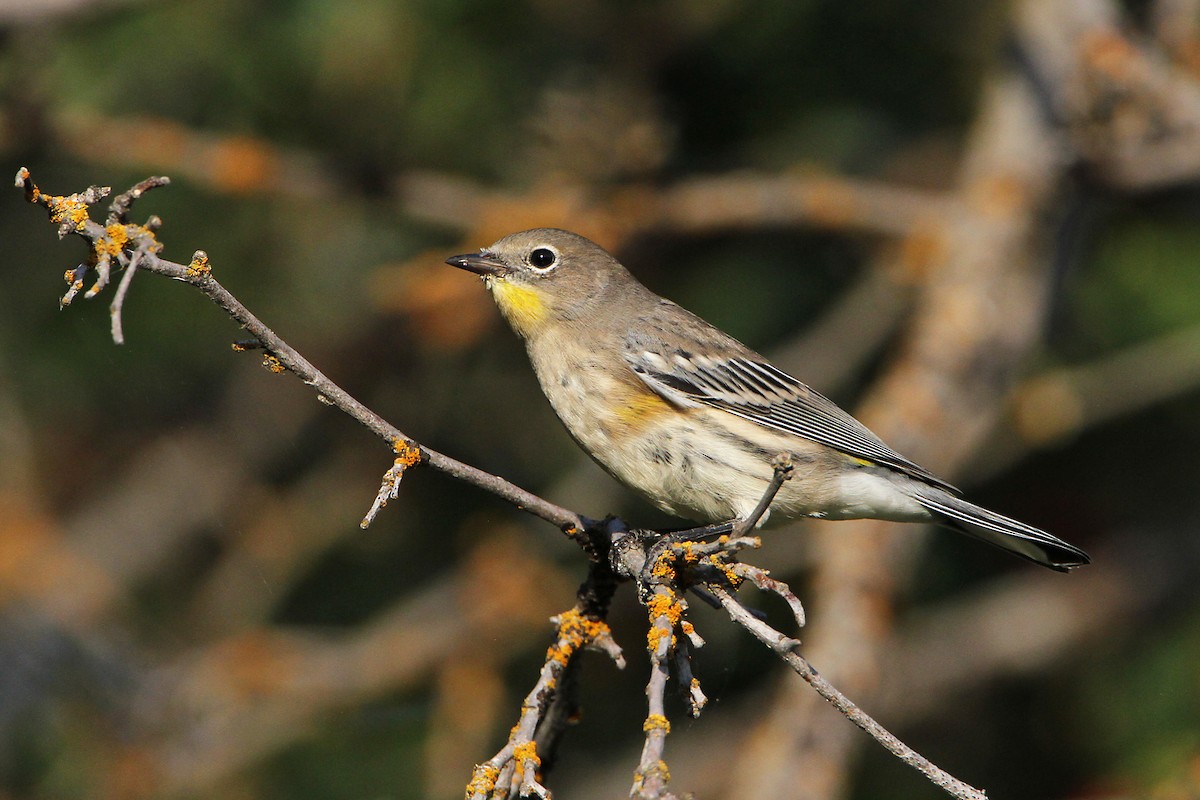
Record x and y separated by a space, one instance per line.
543 258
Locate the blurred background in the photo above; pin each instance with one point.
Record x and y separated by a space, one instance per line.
975 224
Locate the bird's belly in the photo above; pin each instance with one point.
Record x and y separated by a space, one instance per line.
705 464
678 470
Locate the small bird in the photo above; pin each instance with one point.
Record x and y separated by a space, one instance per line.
693 419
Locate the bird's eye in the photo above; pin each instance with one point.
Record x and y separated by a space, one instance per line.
542 258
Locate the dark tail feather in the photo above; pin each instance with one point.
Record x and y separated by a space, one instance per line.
1017 538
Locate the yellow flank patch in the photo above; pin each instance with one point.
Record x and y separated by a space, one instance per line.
522 305
640 406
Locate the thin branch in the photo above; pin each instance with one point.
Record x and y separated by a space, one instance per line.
785 646
518 766
652 776
72 214
118 303
592 602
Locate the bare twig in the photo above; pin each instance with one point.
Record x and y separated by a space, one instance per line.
785 647
72 214
389 488
118 303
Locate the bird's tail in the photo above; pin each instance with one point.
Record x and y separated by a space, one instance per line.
1008 534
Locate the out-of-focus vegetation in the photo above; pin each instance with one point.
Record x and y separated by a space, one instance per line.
187 605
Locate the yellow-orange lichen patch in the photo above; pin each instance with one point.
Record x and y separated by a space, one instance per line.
524 754
574 631
115 237
70 209
407 455
199 267
663 568
656 770
483 780
273 364
654 636
656 722
731 576
664 605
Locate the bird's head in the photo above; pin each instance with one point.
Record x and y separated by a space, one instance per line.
543 274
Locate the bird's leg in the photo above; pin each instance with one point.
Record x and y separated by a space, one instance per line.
734 529
783 467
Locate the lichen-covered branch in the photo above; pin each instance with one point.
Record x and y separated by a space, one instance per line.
664 568
517 767
117 242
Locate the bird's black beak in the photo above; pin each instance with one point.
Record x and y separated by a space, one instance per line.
481 263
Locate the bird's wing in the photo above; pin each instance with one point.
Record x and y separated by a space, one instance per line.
755 390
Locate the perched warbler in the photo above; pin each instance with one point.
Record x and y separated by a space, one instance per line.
693 419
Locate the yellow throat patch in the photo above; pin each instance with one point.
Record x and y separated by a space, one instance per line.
521 304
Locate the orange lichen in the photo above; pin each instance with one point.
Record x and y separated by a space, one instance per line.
574 631
659 607
656 722
70 209
664 605
658 770
663 568
115 237
273 364
199 267
407 455
731 577
524 754
483 780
